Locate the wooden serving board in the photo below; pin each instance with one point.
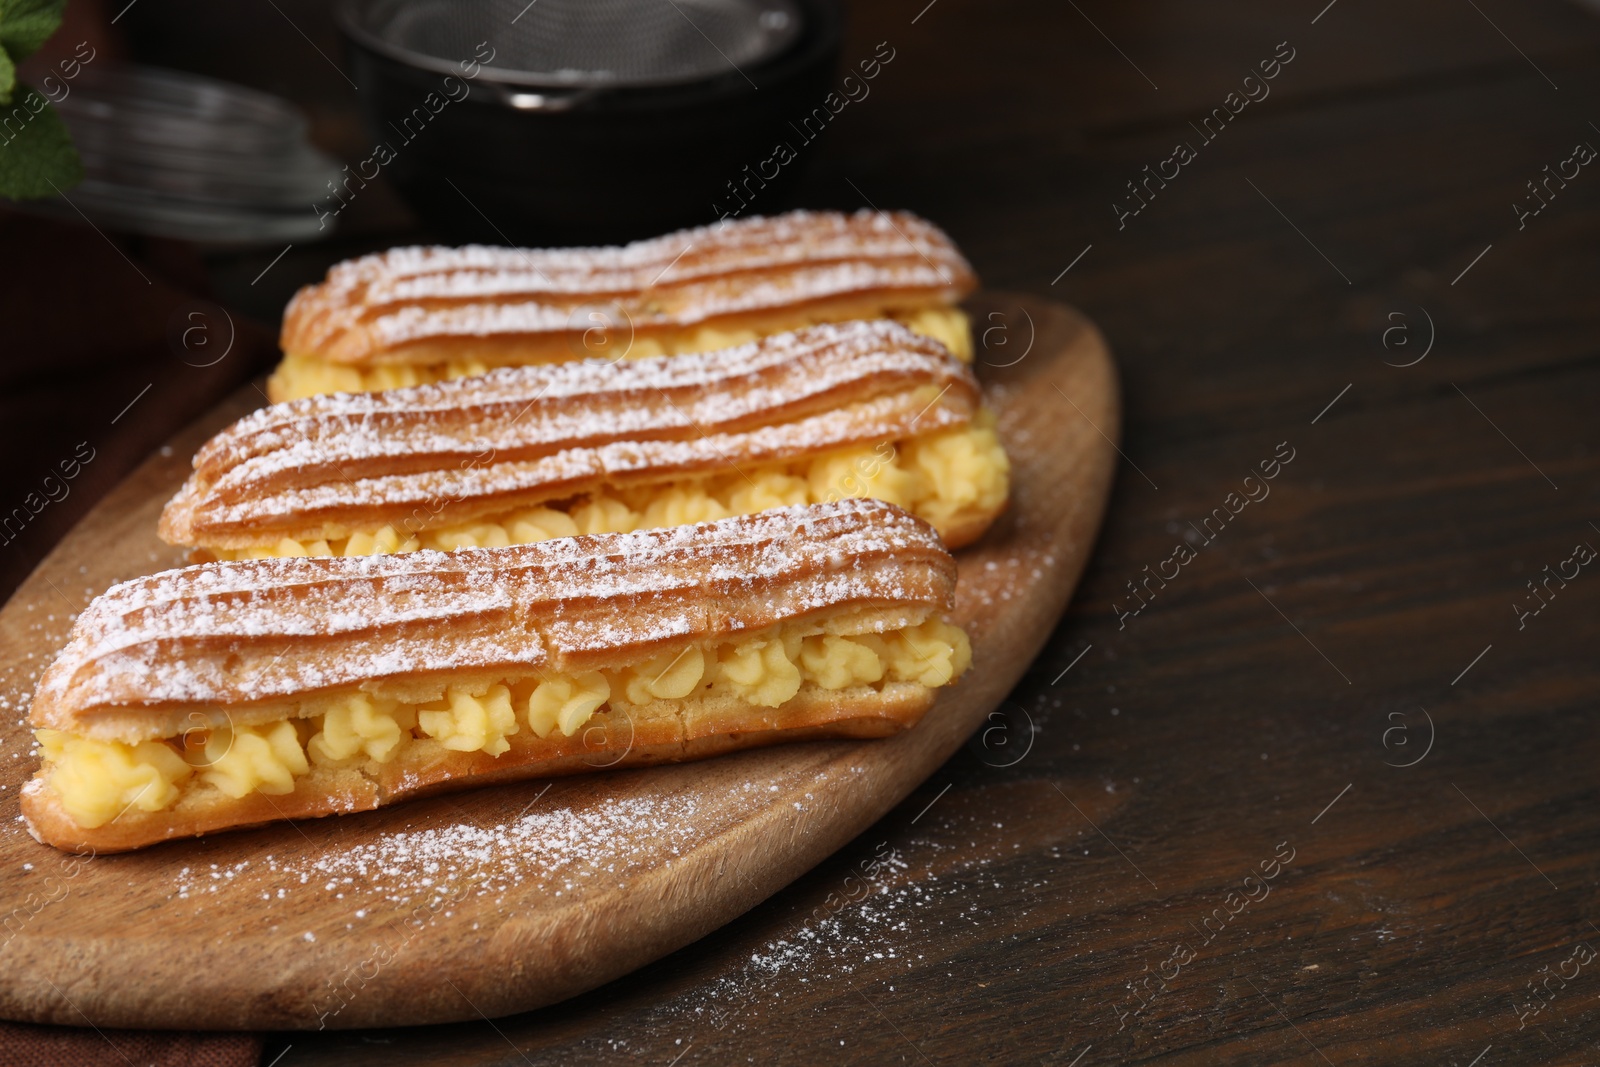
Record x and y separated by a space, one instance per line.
502 899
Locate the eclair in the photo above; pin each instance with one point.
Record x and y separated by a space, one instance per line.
411 316
235 693
524 454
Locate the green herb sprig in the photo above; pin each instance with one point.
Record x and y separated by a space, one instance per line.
36 154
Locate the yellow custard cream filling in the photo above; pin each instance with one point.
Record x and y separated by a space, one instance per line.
301 375
99 780
941 478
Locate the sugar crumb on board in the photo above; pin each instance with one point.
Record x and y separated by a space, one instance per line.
556 849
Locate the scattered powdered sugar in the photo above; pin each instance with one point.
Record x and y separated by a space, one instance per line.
868 925
553 849
1005 578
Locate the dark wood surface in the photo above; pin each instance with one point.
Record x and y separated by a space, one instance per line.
1057 902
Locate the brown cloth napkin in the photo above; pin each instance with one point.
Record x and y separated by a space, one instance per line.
27 1045
100 356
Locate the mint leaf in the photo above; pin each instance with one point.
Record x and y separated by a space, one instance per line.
27 24
36 155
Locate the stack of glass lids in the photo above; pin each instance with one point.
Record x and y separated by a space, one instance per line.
179 155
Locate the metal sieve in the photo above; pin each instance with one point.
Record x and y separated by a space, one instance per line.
178 155
580 43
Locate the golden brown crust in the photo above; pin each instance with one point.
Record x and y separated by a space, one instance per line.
507 305
232 642
440 455
608 741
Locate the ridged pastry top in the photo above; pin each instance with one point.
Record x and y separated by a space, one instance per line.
517 436
369 309
253 631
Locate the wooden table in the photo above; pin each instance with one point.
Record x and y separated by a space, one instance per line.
1329 795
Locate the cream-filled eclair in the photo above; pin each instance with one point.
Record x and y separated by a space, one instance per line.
240 692
416 315
524 454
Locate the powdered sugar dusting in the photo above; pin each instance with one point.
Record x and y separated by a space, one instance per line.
405 295
522 435
250 630
693 304
554 849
